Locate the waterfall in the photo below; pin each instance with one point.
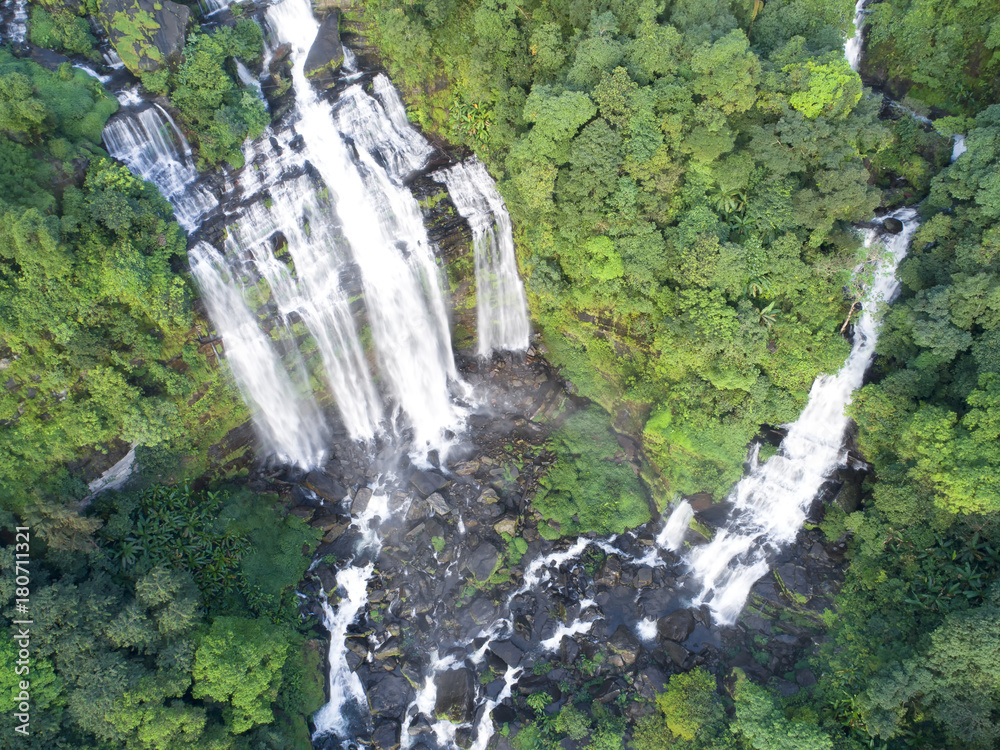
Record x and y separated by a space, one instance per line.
672 536
501 308
383 228
771 502
314 293
852 49
154 148
288 422
959 148
250 81
379 127
15 22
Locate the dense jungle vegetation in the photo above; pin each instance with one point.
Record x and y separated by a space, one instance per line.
683 196
683 176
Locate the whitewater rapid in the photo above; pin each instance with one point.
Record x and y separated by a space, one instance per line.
771 502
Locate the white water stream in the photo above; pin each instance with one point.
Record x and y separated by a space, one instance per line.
346 692
314 292
501 307
853 46
771 502
154 148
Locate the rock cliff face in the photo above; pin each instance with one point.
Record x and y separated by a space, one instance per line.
326 54
146 34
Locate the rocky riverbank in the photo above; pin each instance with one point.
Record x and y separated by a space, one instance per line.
464 578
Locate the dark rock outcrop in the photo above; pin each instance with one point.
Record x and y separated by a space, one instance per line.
146 34
455 694
390 696
676 626
893 226
625 644
325 486
386 735
428 482
483 561
326 54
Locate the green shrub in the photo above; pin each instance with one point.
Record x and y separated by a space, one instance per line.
591 487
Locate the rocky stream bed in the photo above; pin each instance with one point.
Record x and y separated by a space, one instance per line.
605 618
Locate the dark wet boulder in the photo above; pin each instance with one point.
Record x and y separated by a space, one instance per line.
326 487
361 500
625 644
651 682
893 225
611 572
303 511
420 725
644 578
482 610
507 652
569 650
390 696
793 581
326 54
483 561
805 677
455 694
464 737
531 683
146 34
503 714
676 626
386 735
428 482
677 654
47 58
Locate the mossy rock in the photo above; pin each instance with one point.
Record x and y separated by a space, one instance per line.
147 35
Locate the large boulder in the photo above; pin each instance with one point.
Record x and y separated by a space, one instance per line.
483 560
386 735
146 34
428 482
508 653
455 694
390 696
326 54
676 626
893 225
325 486
625 644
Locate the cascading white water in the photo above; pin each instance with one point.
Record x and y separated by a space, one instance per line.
112 60
672 536
771 502
154 148
250 81
288 422
91 72
345 688
384 230
314 293
15 30
959 148
852 48
501 307
379 127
